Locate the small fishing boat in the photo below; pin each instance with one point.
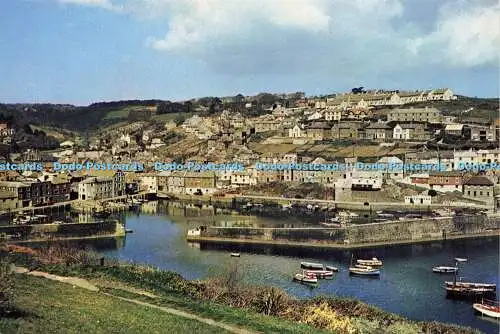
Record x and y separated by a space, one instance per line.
374 262
444 270
235 254
319 273
363 270
489 308
305 278
469 290
332 268
472 285
128 230
311 265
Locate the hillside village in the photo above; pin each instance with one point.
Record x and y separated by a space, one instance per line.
375 126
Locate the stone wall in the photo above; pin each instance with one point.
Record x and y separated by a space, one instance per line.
397 231
35 231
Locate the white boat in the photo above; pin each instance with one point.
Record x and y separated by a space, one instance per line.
490 308
364 270
311 265
235 254
461 259
444 269
304 278
332 268
319 273
472 285
374 262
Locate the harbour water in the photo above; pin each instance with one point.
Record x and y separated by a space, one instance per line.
406 286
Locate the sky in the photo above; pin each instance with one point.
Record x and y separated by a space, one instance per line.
84 51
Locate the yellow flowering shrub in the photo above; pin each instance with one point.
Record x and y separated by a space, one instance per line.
323 316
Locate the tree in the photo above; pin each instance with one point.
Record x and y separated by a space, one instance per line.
432 192
179 119
239 98
357 90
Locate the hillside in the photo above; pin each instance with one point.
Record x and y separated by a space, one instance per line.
62 122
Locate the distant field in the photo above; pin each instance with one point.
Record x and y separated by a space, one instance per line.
171 117
59 134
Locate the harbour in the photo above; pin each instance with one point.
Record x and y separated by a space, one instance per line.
159 239
406 274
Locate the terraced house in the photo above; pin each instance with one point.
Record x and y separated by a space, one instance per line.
428 115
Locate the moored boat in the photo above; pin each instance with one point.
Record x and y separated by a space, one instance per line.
444 269
469 290
472 285
374 262
235 254
311 265
363 270
332 268
488 307
305 278
320 273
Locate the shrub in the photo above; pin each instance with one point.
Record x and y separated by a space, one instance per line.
271 301
6 287
323 316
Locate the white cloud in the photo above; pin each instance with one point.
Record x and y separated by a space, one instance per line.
95 3
468 34
358 36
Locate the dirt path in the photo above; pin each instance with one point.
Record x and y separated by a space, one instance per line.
85 284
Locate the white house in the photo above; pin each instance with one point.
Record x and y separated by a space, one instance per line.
149 183
95 188
418 199
392 170
399 133
243 178
296 132
125 138
333 114
314 116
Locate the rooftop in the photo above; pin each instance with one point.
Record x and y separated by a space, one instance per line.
479 181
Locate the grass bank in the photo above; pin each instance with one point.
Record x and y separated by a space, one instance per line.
53 307
224 299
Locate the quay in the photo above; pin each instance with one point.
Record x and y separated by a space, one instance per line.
44 232
359 205
355 236
349 246
63 206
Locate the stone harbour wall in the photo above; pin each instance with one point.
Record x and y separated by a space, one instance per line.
439 228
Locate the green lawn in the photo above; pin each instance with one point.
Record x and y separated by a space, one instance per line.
55 307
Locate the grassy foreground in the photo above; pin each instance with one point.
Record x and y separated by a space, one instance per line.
222 299
53 307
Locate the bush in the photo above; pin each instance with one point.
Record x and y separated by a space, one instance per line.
432 192
271 301
323 316
6 287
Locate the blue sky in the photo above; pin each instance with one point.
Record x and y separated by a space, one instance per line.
83 51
